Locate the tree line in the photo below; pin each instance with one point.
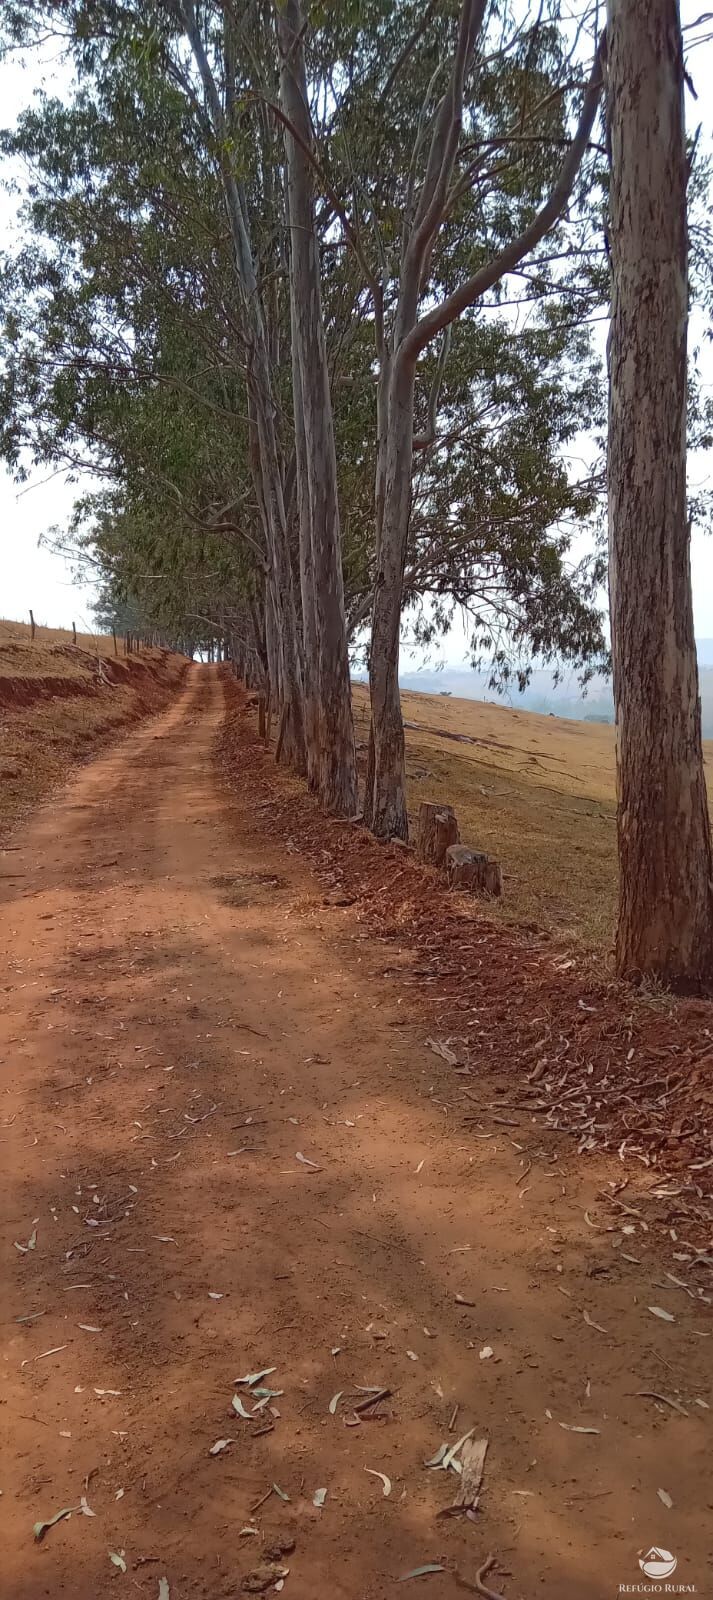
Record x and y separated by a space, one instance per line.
313 292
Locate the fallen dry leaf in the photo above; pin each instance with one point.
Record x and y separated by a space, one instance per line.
386 1482
592 1324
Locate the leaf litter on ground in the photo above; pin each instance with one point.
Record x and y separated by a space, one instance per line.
442 1049
117 1559
592 1324
666 1399
385 1481
573 1427
448 1455
319 1497
239 1408
251 1378
31 1243
41 1528
421 1572
472 1465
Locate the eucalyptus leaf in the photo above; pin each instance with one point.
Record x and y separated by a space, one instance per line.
421 1572
254 1377
40 1528
238 1407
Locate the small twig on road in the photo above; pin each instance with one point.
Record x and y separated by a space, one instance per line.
259 1503
373 1400
476 1585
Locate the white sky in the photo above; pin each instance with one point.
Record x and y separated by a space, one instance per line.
34 576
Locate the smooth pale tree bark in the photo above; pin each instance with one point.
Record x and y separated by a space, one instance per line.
385 805
338 782
265 452
310 646
666 899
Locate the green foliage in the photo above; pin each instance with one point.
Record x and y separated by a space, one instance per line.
124 341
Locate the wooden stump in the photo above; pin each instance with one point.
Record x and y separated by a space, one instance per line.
437 829
473 871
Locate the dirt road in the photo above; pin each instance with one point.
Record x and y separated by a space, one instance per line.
225 1148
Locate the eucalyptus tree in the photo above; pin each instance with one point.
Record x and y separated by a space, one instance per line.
665 922
219 67
302 149
327 680
434 193
445 155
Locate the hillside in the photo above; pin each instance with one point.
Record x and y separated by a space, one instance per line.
536 791
61 703
564 698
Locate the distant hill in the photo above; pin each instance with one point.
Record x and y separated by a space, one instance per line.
563 699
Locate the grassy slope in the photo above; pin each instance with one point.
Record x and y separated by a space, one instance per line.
59 703
536 791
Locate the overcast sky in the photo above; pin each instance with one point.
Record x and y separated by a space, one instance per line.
33 576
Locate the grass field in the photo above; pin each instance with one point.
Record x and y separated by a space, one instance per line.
538 792
60 702
18 651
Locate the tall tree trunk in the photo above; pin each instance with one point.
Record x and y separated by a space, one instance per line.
267 479
338 784
264 446
666 898
382 439
272 648
386 803
310 645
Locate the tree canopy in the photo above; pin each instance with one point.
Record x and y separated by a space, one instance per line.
124 347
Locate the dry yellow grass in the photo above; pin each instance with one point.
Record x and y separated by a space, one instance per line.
538 792
20 655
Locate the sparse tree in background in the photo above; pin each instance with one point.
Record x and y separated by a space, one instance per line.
665 923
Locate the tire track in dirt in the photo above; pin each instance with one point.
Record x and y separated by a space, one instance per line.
181 1015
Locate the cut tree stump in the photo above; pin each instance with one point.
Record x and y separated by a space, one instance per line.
473 871
437 829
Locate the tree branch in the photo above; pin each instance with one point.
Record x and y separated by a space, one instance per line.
471 291
423 441
408 48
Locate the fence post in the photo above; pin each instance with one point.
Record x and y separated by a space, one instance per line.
74 633
32 626
116 647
